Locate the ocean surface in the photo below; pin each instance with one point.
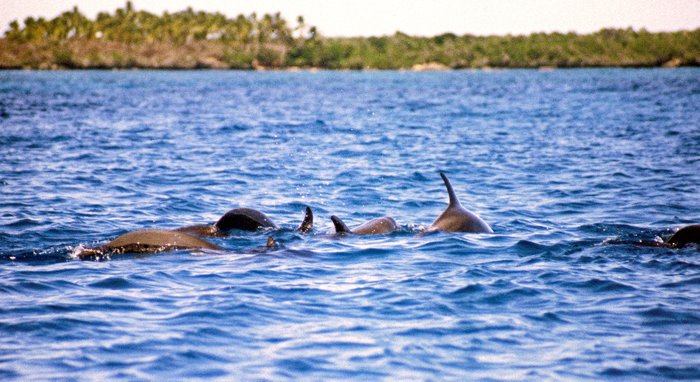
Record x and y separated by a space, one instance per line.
569 167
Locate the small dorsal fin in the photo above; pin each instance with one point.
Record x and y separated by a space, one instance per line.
453 197
308 222
271 243
340 226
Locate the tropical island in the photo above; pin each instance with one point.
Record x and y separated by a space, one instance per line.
133 39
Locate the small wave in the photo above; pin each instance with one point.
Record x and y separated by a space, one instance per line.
468 290
527 247
34 286
599 286
50 326
298 365
680 284
548 317
669 372
661 316
23 223
113 283
521 294
7 374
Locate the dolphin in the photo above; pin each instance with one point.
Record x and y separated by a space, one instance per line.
376 226
245 219
456 218
684 236
149 241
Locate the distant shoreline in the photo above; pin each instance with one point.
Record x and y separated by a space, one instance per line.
92 55
322 54
318 70
187 40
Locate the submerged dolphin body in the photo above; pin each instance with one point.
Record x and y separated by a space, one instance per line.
376 226
456 218
684 236
149 241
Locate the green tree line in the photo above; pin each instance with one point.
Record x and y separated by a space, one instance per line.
130 38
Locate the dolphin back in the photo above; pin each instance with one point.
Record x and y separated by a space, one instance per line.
148 241
159 239
245 219
685 236
377 226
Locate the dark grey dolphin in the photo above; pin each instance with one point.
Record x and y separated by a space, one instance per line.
456 218
376 226
149 241
684 236
245 219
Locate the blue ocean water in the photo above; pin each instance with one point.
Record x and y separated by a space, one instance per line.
557 162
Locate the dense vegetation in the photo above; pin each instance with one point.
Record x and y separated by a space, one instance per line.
188 39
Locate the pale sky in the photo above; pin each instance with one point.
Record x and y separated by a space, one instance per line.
414 17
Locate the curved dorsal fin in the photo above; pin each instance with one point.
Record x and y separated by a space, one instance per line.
340 226
308 222
453 197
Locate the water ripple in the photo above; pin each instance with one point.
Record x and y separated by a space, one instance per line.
572 169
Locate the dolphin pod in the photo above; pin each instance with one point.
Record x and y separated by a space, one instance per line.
244 219
455 218
151 241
